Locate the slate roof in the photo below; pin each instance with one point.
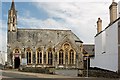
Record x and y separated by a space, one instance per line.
89 48
45 36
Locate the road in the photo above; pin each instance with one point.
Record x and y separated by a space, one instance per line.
16 75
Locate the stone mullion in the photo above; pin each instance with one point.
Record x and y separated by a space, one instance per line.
36 57
42 57
46 57
58 57
74 57
69 57
64 57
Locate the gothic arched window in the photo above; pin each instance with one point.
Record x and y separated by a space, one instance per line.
71 55
50 57
61 54
29 56
66 49
39 56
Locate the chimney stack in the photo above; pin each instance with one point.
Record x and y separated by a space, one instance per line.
113 11
99 25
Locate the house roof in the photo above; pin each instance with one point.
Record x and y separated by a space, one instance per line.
117 20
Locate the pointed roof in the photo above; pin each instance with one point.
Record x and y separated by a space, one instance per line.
13 5
13 8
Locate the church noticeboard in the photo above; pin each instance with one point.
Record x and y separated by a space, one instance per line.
24 61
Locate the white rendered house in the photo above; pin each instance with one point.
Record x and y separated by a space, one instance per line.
107 42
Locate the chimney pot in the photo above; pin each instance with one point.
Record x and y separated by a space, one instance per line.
99 25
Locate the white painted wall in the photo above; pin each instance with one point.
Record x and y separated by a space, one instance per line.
106 42
112 47
99 49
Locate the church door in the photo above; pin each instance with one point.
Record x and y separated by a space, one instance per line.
17 62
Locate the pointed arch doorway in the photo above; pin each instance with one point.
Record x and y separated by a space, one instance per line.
16 58
16 62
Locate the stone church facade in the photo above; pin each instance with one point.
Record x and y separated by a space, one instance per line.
42 47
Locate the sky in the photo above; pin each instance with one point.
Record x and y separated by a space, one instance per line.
80 16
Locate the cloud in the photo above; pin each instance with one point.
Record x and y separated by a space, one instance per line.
81 18
37 23
69 0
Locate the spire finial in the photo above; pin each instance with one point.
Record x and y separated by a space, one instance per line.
113 0
12 5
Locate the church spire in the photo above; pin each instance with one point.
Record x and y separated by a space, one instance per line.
13 5
12 18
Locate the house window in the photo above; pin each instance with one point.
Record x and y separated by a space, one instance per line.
61 57
50 57
29 56
39 57
71 54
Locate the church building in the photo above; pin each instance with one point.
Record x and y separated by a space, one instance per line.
42 47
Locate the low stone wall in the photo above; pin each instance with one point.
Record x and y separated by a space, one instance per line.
67 72
38 70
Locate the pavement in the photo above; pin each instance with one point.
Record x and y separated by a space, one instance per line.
16 75
39 75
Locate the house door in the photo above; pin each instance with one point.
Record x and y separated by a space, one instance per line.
16 62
